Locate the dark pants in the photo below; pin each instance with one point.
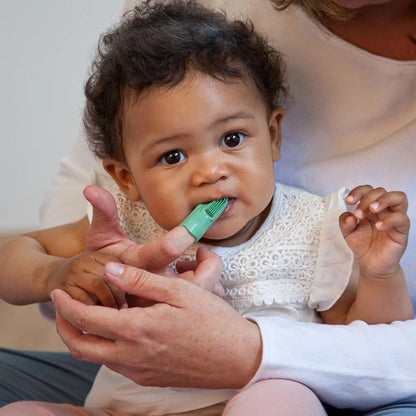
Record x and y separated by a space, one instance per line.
44 376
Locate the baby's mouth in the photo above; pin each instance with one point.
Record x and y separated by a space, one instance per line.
230 203
207 201
229 206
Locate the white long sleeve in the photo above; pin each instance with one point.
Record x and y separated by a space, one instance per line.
358 365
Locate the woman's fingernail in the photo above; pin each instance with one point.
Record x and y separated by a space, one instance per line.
114 269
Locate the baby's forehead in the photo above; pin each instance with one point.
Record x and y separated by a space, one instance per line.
134 96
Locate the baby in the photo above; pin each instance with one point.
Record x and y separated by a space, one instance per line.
183 107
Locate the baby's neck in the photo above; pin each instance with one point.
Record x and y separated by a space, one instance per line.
244 234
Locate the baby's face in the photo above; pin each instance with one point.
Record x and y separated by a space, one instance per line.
199 141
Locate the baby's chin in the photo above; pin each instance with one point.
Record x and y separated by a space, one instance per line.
222 237
215 241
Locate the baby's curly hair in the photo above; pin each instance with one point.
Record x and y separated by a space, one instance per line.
156 44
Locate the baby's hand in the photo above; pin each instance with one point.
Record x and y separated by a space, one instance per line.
82 277
377 231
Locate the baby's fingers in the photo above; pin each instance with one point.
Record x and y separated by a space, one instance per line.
358 193
397 224
347 223
376 201
80 294
395 201
118 295
365 196
108 294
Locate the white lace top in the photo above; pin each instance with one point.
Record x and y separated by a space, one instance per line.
296 264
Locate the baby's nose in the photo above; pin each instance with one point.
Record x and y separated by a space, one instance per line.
209 170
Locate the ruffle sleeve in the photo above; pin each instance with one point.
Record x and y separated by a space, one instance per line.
335 259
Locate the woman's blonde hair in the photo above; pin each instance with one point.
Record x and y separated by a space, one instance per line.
320 10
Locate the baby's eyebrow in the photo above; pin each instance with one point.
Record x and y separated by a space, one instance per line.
234 116
162 140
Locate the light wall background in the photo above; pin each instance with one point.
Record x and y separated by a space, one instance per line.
46 48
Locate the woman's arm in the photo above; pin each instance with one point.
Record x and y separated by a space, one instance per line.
358 365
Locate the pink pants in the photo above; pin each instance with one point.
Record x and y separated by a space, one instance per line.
265 398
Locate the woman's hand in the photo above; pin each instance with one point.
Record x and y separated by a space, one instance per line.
187 338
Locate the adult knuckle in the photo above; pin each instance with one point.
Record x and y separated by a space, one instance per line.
136 277
80 322
176 290
132 334
76 353
169 249
73 349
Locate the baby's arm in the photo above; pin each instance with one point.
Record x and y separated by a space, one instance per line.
34 264
377 232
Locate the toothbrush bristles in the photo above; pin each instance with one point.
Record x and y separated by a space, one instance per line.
215 206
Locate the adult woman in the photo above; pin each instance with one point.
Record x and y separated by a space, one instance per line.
363 80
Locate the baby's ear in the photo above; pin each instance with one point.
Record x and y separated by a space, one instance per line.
121 174
275 129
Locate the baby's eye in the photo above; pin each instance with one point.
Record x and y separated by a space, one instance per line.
172 157
233 139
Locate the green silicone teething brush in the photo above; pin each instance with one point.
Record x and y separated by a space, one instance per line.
202 217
